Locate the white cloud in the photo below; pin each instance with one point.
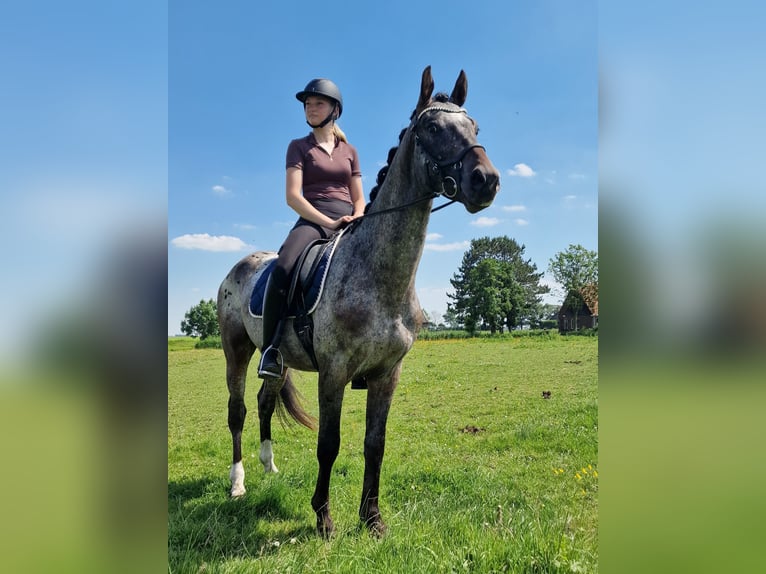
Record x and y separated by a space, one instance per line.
576 176
220 190
245 226
457 246
570 197
434 236
521 222
205 242
514 208
522 170
485 221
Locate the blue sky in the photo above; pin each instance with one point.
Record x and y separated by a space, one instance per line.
234 69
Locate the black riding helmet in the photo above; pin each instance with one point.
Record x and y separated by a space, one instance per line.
322 87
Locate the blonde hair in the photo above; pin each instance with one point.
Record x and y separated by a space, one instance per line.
339 133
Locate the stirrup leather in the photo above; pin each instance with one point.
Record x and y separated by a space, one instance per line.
279 363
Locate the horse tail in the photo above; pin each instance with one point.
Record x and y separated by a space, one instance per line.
290 401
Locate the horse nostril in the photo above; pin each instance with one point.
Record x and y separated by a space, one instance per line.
478 179
493 182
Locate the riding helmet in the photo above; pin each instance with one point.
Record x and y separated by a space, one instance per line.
322 87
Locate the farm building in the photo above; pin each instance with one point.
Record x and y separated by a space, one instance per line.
583 303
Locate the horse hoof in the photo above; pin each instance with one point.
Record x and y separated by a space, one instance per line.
237 478
377 528
325 528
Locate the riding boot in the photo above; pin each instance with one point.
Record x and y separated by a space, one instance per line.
274 302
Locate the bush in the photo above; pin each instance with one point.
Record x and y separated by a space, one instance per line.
583 333
213 342
457 334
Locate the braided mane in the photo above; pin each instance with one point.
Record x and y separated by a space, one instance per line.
439 97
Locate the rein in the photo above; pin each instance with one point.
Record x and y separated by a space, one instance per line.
433 195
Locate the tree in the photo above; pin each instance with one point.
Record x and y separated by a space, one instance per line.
495 285
201 320
450 319
575 269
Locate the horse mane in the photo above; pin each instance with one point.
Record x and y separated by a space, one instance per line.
438 97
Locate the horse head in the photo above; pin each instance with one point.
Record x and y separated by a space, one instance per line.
458 166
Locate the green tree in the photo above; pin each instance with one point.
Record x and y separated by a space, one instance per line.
575 269
450 319
495 285
201 320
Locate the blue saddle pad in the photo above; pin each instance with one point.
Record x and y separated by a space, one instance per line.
256 299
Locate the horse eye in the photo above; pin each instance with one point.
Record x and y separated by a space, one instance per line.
432 128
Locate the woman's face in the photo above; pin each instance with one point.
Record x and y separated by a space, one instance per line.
317 109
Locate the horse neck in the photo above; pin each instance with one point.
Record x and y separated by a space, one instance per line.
394 241
403 185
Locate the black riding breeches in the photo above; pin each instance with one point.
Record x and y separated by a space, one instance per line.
303 233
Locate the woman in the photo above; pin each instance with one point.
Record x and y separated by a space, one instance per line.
324 186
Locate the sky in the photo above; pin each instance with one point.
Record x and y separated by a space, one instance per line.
234 69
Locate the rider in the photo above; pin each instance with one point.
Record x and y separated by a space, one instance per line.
324 187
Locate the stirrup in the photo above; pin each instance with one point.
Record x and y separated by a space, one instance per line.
274 368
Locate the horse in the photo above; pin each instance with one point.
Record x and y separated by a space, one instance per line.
369 314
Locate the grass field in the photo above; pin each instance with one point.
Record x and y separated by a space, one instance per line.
481 474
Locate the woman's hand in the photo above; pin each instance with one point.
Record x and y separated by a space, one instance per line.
342 222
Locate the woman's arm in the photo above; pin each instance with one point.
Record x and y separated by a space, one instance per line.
357 195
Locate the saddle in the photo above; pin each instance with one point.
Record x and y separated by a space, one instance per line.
306 287
307 278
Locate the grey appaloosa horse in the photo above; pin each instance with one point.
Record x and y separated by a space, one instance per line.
369 314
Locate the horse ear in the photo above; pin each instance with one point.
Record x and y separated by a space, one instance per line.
460 91
426 89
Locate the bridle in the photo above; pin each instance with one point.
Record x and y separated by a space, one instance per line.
449 171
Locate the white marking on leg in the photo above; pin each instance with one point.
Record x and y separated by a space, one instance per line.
267 457
237 476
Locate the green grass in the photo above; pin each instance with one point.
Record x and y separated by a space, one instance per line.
480 474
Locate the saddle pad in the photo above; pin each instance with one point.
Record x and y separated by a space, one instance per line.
256 299
312 286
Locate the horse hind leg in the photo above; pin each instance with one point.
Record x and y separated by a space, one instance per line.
238 352
267 400
282 396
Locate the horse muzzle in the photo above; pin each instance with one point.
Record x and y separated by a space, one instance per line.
480 182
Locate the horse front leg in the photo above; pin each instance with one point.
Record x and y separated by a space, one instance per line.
328 445
267 400
379 396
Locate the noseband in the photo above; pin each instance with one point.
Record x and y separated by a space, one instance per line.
449 171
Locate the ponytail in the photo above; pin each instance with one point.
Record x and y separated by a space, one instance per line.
339 133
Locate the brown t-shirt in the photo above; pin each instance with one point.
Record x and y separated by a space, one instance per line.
325 176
